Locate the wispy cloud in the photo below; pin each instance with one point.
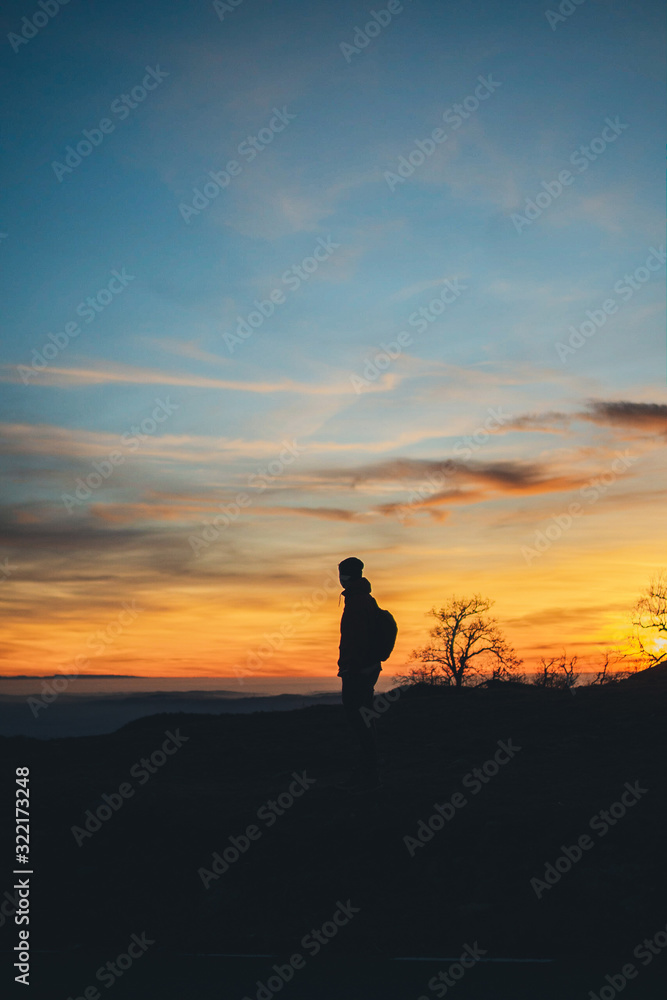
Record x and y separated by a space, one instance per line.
119 374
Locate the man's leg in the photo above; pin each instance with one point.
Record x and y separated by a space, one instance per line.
367 730
358 690
351 696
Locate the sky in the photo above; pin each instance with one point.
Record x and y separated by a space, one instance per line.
279 289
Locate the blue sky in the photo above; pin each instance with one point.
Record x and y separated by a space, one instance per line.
322 178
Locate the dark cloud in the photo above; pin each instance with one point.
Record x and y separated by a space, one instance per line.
439 497
551 422
507 476
650 417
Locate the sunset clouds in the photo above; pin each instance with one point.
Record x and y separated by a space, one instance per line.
211 452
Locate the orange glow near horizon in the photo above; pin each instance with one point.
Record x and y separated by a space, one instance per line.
242 630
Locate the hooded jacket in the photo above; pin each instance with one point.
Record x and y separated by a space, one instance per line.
358 629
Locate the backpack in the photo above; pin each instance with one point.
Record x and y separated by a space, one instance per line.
385 635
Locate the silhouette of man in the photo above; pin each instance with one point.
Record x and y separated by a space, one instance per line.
359 666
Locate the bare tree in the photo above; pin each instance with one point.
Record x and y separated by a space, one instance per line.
424 675
650 622
557 672
605 674
466 642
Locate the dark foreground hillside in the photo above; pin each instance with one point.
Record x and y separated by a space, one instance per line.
140 871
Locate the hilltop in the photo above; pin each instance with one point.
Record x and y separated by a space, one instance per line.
471 881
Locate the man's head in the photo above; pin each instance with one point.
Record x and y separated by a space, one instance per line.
350 569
